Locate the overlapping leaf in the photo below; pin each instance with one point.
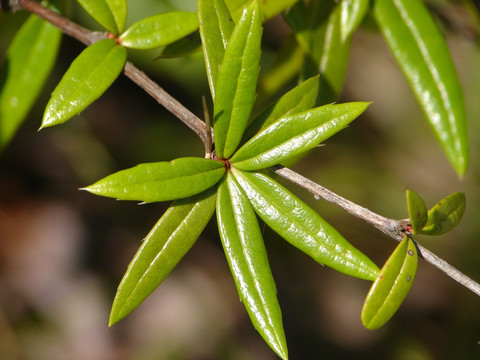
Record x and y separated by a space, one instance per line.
30 58
300 98
445 215
423 56
297 223
391 286
294 134
159 30
417 211
165 245
269 8
111 14
87 78
352 13
161 181
237 81
243 245
216 26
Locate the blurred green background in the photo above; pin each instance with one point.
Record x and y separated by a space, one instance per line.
64 251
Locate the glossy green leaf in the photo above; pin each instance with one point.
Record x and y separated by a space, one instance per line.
300 98
185 46
87 78
292 135
269 8
302 227
161 181
352 13
445 215
216 26
237 82
391 286
29 60
165 245
159 30
423 56
111 14
243 245
319 30
417 211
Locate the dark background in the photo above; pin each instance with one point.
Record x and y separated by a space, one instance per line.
64 251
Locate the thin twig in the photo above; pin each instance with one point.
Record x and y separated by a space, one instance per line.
391 227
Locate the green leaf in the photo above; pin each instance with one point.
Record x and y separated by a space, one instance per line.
352 13
87 78
243 245
302 227
30 59
300 98
269 8
319 30
292 135
216 26
417 211
165 245
161 181
237 81
111 14
445 215
423 56
159 30
182 47
391 286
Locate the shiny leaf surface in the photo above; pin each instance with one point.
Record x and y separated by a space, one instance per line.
417 211
243 245
161 181
29 60
159 30
237 82
269 8
302 227
392 285
352 13
111 14
216 26
445 215
300 98
162 249
87 78
294 134
423 56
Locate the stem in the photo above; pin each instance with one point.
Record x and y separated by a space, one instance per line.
391 227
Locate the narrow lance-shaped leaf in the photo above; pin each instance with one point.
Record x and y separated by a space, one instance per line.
417 211
352 13
30 58
300 98
269 8
243 244
302 227
391 286
216 26
445 215
294 134
161 181
111 14
165 245
87 78
159 30
237 82
423 56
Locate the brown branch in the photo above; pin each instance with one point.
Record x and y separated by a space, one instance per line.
391 227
